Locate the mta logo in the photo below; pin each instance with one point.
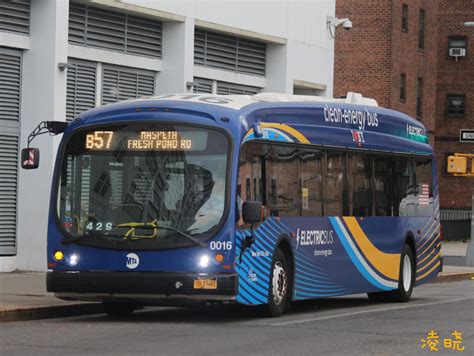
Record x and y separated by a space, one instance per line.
358 137
132 260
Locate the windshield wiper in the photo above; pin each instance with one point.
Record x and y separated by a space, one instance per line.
154 226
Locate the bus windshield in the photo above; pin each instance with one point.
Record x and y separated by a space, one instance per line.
143 186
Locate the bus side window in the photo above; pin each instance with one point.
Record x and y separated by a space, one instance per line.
383 186
335 202
310 183
361 185
249 181
424 187
281 171
402 177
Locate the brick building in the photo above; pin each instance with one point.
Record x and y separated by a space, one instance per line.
398 53
454 98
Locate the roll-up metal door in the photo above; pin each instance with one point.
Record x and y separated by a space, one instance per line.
117 31
224 88
81 84
202 85
218 50
15 16
10 84
122 83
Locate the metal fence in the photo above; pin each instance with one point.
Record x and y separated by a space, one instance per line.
456 224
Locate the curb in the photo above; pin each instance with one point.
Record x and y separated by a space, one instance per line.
62 311
49 312
452 277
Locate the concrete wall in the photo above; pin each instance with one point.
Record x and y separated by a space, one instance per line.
299 48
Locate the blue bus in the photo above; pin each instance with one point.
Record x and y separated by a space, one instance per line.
261 200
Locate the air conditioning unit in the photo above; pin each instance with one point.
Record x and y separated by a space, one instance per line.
457 52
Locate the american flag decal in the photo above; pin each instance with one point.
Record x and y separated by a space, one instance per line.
424 194
358 136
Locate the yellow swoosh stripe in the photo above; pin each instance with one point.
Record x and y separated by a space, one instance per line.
429 263
427 273
295 133
386 263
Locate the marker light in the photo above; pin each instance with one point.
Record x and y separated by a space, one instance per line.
58 255
204 261
73 260
219 257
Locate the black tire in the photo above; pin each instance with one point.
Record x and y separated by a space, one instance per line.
277 304
401 294
119 309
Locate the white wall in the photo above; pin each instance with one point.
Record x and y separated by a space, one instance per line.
304 52
43 98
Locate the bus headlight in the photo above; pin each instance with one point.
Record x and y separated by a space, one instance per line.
204 261
73 259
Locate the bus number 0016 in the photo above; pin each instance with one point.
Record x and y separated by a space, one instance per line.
99 140
221 245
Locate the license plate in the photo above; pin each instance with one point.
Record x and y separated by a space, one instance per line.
205 284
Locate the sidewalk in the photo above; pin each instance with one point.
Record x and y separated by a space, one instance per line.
23 295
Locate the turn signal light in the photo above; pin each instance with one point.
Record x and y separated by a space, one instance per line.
58 255
219 258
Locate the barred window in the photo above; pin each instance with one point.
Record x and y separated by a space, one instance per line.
218 50
455 105
96 27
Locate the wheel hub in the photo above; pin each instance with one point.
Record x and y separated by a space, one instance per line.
407 273
280 282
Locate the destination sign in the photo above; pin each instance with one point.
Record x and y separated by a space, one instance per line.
145 140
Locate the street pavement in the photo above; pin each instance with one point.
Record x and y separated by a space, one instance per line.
337 326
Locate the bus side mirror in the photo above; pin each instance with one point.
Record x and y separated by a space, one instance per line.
252 212
30 158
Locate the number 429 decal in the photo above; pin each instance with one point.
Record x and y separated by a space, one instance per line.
99 226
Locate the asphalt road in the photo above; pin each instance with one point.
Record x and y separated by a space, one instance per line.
340 326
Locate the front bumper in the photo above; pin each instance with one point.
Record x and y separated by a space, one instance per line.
88 285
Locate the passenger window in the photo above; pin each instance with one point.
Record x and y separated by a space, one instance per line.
335 185
424 187
310 183
383 186
282 177
361 185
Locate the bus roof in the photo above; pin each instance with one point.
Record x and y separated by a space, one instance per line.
352 122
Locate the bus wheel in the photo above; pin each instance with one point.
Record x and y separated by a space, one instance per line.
407 276
118 309
280 285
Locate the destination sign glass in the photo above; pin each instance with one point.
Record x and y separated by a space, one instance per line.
146 140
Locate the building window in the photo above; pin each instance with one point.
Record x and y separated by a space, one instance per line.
15 16
224 88
458 44
81 83
419 98
403 79
421 30
455 105
405 18
122 83
222 51
116 31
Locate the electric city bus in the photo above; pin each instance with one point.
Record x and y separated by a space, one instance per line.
260 200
